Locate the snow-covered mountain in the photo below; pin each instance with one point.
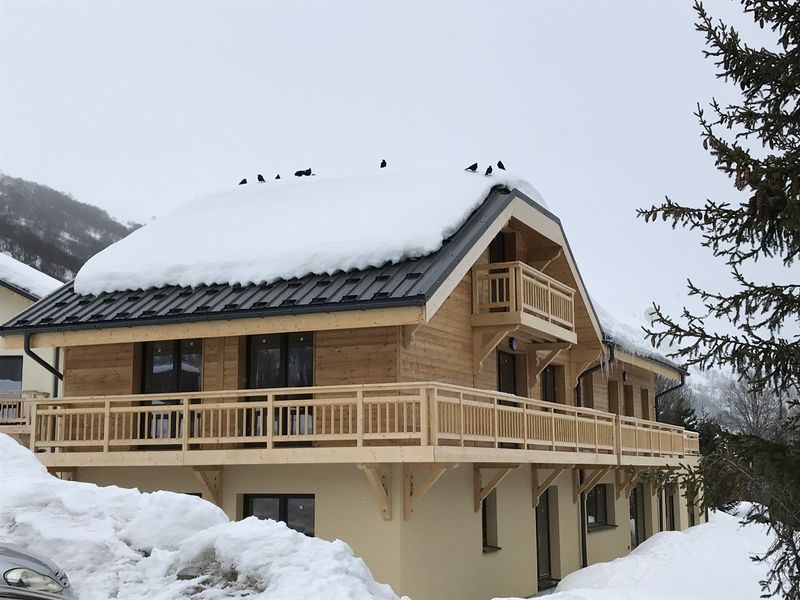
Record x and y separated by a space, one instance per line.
51 231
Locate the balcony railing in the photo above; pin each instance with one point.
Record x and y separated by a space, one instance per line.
14 406
514 287
406 414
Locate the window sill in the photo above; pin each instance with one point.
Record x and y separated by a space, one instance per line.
592 528
491 549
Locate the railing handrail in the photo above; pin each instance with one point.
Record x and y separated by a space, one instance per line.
626 420
22 394
529 270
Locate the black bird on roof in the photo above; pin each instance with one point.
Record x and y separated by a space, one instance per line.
299 173
278 176
488 170
500 165
308 172
383 164
473 167
260 178
243 181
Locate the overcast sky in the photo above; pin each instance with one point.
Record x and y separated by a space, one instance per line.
138 106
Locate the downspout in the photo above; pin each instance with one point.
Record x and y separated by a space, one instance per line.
30 353
668 390
581 474
56 363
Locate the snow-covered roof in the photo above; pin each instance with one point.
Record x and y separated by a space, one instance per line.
263 232
25 278
625 331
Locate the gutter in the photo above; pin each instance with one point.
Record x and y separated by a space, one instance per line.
581 474
38 359
668 390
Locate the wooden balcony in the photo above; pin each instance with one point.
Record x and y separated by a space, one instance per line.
382 423
513 293
15 410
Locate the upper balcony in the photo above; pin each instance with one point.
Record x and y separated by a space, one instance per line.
15 410
513 293
380 423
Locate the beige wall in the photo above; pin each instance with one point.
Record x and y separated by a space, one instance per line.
34 376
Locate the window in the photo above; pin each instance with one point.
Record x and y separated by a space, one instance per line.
280 360
627 392
596 507
296 510
172 366
550 388
645 404
506 372
669 495
489 523
613 397
692 519
10 373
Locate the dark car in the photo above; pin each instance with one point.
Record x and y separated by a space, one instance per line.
26 576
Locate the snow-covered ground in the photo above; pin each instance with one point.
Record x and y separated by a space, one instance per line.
706 562
120 543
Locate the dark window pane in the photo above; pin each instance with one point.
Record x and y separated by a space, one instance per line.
591 507
159 368
300 359
11 373
300 514
506 373
549 384
266 364
264 507
191 357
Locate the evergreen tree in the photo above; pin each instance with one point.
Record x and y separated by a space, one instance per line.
757 144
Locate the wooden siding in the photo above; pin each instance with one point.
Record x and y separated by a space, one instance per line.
611 377
351 356
441 350
104 369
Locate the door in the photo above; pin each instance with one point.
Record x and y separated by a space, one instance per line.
636 512
543 549
506 372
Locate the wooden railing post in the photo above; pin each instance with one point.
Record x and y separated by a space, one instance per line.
618 435
106 425
424 414
512 288
34 425
186 416
463 424
549 302
577 431
359 417
520 290
270 420
553 427
433 420
496 424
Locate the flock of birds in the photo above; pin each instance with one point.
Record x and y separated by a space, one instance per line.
308 173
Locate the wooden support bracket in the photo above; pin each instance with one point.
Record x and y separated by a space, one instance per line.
380 481
553 349
413 492
482 491
539 489
482 349
626 485
211 480
588 484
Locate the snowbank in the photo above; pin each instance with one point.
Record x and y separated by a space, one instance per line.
26 278
706 562
120 543
262 232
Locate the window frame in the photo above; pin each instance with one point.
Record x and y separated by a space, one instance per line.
177 363
21 364
489 535
284 356
592 500
283 507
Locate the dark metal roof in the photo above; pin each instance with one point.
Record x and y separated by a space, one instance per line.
408 283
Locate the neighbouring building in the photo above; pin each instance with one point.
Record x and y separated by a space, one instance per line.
23 376
409 363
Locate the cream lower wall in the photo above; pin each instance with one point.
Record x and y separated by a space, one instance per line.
437 554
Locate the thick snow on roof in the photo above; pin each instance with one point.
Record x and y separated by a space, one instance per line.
283 229
26 278
120 543
625 331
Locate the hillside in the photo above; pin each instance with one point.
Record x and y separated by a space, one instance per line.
50 230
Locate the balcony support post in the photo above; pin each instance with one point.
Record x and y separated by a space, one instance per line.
588 484
413 492
210 478
380 481
481 491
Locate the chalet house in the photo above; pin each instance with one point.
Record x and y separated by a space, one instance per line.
411 364
23 376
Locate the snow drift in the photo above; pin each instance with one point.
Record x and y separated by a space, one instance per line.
120 543
262 232
707 562
26 278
